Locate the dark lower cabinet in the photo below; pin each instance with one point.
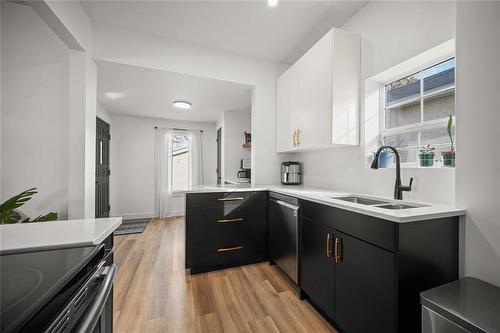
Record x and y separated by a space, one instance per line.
348 280
225 229
317 266
365 274
364 286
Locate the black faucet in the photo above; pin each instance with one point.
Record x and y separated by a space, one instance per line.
398 188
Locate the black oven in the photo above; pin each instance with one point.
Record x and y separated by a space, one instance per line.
57 291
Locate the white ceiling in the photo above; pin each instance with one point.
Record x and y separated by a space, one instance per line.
150 93
250 28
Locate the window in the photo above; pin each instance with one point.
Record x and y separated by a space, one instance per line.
180 162
416 110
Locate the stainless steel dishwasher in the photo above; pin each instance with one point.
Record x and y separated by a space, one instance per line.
284 214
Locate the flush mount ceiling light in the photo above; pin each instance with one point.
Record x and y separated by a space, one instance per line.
184 105
272 3
114 95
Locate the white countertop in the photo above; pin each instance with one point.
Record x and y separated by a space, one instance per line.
323 196
21 237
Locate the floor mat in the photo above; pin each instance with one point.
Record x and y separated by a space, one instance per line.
131 227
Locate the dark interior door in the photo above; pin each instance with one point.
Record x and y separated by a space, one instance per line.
102 169
219 177
364 287
317 265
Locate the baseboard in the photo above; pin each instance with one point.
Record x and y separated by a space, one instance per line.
134 216
176 213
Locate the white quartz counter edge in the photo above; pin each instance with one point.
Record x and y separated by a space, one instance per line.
23 237
322 196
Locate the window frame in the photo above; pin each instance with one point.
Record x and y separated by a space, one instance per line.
422 124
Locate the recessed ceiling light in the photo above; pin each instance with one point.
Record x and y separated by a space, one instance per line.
272 3
182 105
114 95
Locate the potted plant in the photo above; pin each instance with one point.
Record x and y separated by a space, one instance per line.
426 156
9 213
449 155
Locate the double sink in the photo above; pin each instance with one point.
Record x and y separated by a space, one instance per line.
378 203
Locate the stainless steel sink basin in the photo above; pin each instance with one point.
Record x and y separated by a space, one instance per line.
400 206
361 200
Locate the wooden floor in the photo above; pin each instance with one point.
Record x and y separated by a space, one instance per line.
153 294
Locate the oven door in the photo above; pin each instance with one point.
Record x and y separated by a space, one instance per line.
91 308
98 318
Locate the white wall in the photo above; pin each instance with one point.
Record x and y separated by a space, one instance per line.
392 32
103 114
132 158
34 117
478 118
234 124
145 50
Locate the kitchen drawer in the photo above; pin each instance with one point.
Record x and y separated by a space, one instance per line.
225 221
222 252
223 199
368 228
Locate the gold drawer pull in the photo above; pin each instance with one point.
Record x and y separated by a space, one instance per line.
230 220
226 249
230 199
328 250
338 251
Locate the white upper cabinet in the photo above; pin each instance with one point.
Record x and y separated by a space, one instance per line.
287 119
346 62
315 95
318 96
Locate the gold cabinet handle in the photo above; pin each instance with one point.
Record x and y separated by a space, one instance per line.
338 250
328 251
230 220
230 199
227 249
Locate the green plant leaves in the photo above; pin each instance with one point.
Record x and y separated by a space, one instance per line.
448 127
8 215
42 218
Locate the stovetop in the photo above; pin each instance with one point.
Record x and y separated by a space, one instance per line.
30 280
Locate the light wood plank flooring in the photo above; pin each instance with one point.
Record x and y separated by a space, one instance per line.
153 294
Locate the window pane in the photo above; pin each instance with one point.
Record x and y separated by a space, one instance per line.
439 106
403 89
402 140
402 115
439 76
180 162
408 155
434 136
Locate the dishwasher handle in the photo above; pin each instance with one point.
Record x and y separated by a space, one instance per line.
285 204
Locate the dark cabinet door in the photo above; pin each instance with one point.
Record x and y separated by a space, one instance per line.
364 286
317 265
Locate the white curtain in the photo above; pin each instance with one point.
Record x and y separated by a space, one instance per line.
195 158
163 172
